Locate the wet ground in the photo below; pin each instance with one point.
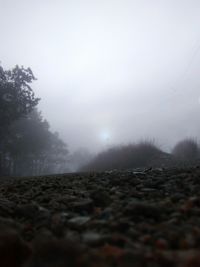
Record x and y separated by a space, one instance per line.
131 218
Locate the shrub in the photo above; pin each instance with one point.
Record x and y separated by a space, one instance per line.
186 150
124 157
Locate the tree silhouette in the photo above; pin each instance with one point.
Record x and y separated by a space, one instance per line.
32 149
16 96
27 146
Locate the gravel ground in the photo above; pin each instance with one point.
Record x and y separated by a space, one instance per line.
131 218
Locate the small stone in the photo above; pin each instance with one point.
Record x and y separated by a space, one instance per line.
105 214
67 199
100 197
92 238
57 223
148 190
161 244
78 221
6 207
27 210
86 205
140 208
146 238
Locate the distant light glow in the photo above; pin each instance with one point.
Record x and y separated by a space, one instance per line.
105 135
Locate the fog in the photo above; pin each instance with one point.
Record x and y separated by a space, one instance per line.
109 72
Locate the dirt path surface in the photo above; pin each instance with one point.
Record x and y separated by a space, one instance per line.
143 219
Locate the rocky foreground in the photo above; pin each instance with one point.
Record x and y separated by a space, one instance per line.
132 218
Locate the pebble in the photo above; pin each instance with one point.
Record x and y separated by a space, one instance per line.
83 206
92 238
141 208
78 221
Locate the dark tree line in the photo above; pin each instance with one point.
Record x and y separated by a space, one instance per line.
27 146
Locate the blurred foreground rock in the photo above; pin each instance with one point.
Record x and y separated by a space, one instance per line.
143 218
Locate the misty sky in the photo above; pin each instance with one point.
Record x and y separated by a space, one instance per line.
112 71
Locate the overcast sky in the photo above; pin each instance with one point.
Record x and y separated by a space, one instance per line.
109 71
